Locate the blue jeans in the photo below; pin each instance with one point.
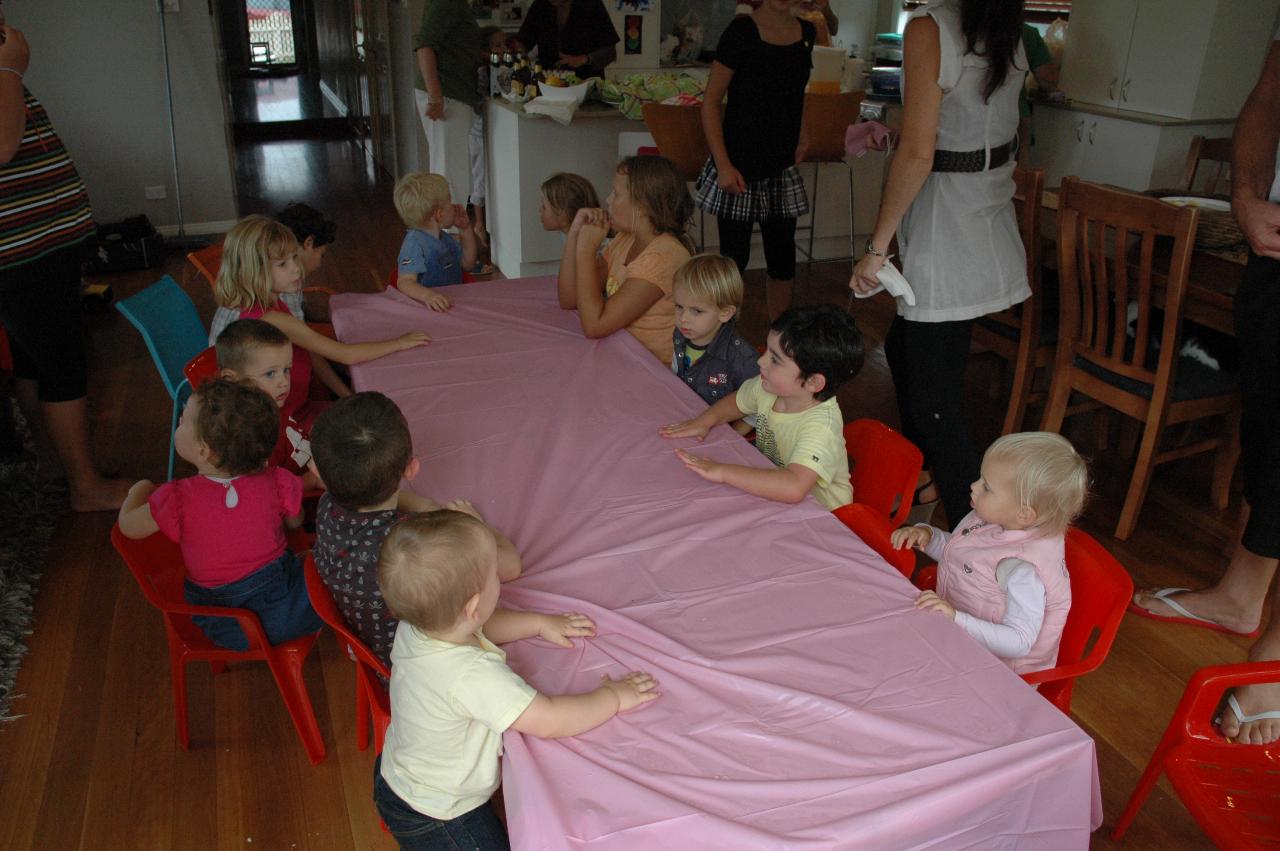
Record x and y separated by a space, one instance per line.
478 830
276 593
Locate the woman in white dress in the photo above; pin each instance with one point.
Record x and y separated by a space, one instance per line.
949 198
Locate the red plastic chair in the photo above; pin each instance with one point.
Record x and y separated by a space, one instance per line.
156 564
884 468
874 530
1100 592
203 367
1231 790
372 701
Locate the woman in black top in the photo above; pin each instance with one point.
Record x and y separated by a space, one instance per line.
575 34
762 62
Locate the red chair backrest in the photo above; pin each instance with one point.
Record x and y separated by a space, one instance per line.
874 530
884 469
201 368
207 262
327 609
1100 592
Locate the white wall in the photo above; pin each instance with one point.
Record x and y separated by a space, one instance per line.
99 70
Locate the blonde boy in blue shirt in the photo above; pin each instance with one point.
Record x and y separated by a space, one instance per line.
810 352
429 256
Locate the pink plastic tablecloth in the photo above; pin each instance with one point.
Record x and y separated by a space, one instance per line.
805 704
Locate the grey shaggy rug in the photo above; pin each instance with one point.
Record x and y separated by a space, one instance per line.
29 510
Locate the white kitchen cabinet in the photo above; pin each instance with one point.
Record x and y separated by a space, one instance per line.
1098 36
1113 147
1191 59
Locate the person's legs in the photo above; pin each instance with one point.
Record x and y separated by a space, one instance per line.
779 237
735 241
478 829
40 309
928 362
479 177
1236 600
448 151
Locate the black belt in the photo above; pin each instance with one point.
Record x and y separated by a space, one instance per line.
974 160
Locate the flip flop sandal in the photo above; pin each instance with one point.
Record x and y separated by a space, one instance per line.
1184 616
1241 718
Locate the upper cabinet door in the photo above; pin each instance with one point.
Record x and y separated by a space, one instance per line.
1098 36
1166 56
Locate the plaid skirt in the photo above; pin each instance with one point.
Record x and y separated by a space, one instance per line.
781 197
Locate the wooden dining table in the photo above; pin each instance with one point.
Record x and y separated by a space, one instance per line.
1212 279
806 703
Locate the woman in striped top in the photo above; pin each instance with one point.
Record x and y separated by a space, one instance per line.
45 231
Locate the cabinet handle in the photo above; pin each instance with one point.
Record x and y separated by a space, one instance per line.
1080 131
1111 88
1093 128
1124 90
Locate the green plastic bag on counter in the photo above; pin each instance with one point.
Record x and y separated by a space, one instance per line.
628 93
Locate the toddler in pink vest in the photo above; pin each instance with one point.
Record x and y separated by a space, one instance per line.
1002 575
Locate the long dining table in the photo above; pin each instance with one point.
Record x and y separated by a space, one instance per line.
806 704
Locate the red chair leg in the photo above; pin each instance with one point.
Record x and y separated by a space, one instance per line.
286 667
362 712
1140 792
178 673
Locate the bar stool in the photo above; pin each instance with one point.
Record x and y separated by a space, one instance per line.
826 116
677 131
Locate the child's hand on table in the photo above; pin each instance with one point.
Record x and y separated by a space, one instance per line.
413 339
931 602
465 507
712 471
438 302
558 629
695 427
911 536
632 690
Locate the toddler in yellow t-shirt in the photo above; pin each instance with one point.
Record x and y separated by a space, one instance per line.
452 694
811 351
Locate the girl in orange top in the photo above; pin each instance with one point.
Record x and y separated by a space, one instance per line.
630 285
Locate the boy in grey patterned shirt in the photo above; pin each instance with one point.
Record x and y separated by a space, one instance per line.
361 449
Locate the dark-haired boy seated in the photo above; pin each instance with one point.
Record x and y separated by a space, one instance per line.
811 352
361 450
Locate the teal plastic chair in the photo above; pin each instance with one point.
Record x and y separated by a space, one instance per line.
167 320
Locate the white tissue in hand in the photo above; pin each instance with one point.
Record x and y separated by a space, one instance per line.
891 279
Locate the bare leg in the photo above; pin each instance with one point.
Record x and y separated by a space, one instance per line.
1262 697
778 295
1235 601
67 428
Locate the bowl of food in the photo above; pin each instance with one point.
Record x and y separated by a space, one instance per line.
564 86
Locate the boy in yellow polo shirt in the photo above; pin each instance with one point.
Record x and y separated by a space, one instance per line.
811 351
452 694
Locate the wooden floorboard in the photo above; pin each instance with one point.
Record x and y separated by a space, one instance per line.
93 761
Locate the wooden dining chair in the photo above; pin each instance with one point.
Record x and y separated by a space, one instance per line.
1133 367
1215 151
677 131
1017 335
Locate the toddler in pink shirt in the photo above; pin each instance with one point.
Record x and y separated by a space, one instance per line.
229 520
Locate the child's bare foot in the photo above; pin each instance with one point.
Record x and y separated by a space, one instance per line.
98 494
1211 604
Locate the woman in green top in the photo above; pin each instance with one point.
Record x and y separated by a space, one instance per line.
447 91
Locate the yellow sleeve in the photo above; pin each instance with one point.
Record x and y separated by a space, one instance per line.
749 395
818 449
